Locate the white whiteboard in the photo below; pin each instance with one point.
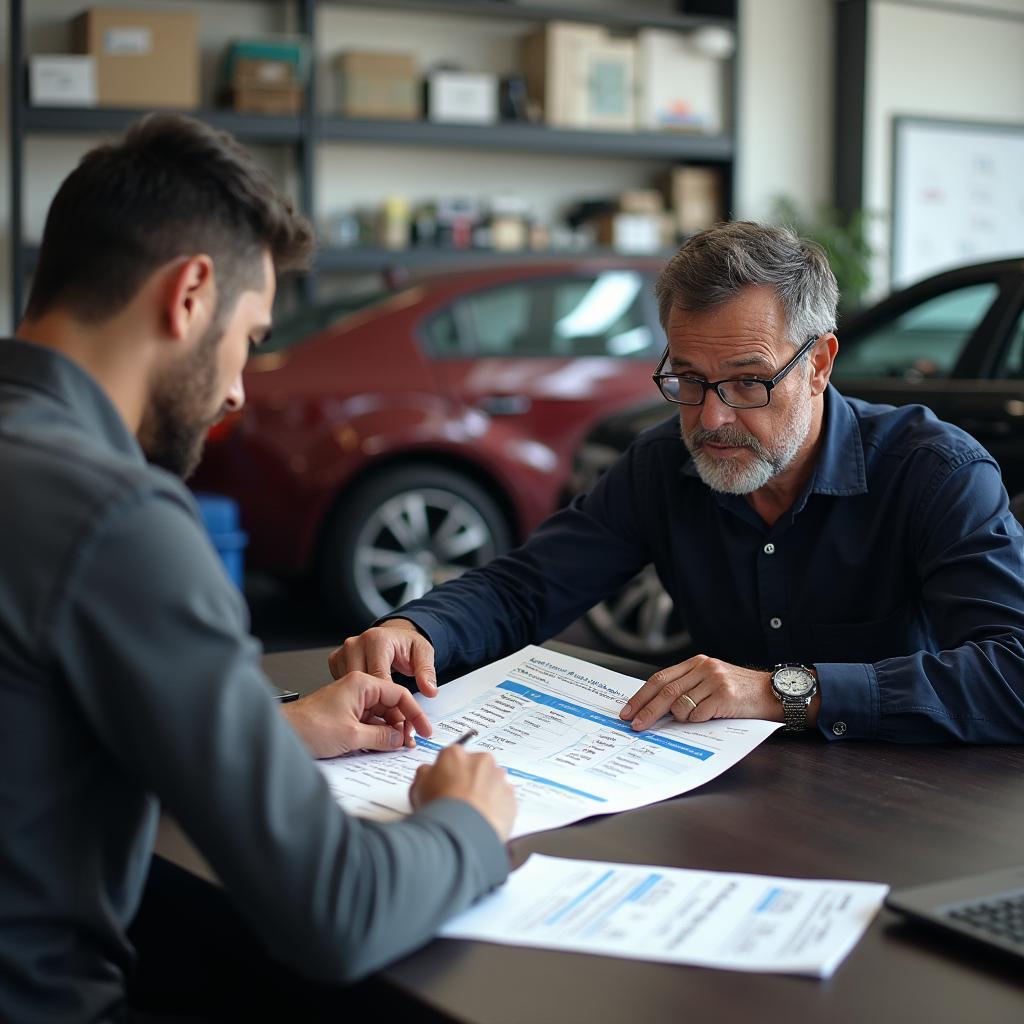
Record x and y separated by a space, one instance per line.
958 195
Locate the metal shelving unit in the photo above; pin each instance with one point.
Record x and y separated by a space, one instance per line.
72 120
511 10
333 259
306 132
531 138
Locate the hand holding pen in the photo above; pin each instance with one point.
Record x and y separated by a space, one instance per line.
475 778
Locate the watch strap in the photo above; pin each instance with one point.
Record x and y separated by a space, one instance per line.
794 711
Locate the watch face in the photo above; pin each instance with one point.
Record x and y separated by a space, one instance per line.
793 681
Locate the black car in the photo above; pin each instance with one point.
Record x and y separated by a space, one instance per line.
953 342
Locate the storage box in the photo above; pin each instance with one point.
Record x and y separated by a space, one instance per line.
263 74
555 69
462 97
678 85
377 85
267 60
264 87
260 99
642 200
695 195
62 80
220 517
143 58
632 233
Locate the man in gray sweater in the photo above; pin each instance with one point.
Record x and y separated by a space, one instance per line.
128 679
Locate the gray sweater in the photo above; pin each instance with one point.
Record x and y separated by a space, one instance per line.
128 680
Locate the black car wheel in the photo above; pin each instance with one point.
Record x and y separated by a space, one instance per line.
641 621
400 534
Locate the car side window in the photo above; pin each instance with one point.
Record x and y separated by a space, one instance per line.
925 341
1013 364
594 316
443 336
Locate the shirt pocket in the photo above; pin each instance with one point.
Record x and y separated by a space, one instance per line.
868 641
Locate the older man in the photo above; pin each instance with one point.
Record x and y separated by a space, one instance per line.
847 566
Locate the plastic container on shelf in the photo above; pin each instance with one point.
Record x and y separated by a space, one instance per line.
220 516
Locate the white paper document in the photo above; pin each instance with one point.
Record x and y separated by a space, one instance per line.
553 722
705 918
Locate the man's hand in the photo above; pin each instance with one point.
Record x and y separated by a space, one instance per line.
357 712
702 688
475 778
393 644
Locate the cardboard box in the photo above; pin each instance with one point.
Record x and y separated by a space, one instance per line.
462 97
263 74
268 60
642 200
377 85
678 86
555 66
61 80
264 87
632 233
695 195
143 58
260 99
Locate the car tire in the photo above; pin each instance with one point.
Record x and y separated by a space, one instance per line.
401 533
641 622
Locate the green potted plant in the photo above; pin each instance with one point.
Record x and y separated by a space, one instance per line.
845 241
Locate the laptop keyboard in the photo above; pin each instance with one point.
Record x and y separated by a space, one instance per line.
1002 916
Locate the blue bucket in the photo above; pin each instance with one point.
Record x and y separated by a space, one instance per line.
220 516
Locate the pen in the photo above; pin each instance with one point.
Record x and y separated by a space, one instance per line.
464 738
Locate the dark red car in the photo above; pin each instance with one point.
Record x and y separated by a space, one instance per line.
427 430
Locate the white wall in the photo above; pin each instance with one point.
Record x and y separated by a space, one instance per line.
785 97
784 121
956 63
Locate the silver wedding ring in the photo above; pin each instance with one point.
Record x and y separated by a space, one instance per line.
689 700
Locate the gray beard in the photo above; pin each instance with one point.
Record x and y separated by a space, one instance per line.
733 476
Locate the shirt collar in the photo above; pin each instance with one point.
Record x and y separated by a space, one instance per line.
44 370
840 466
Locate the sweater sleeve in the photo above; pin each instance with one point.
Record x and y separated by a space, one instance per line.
152 640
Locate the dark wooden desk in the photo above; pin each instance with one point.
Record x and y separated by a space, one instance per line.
806 808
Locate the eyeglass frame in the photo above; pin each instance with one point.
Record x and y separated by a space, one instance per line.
707 385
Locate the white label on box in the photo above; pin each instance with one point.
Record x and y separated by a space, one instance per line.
272 72
636 233
463 98
133 40
62 80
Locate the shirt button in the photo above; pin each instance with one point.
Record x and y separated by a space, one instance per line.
769 549
775 623
839 728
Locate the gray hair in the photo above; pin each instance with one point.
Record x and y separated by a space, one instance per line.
715 265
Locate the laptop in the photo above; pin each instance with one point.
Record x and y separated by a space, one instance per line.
987 908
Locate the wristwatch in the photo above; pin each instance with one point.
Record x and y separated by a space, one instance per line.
794 685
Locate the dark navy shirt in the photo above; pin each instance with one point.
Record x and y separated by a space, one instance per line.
898 573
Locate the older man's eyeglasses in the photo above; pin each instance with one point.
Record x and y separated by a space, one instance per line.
737 392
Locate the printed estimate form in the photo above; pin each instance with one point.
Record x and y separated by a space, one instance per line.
553 722
674 915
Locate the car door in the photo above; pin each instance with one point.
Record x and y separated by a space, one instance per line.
952 344
543 358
